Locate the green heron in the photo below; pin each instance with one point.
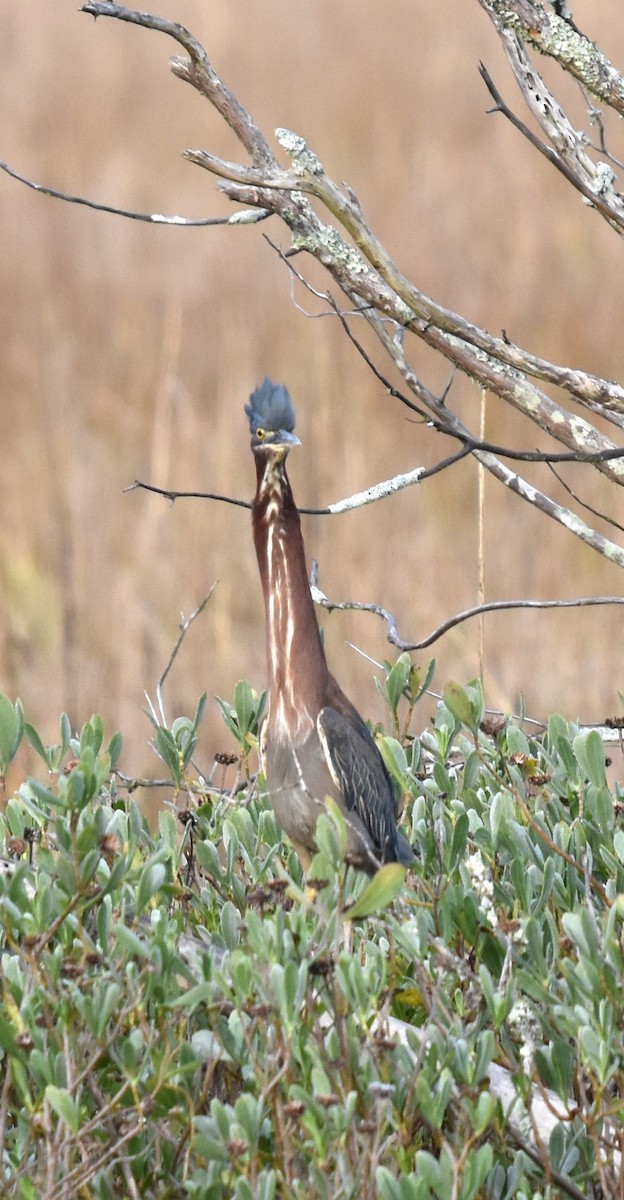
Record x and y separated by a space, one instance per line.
314 742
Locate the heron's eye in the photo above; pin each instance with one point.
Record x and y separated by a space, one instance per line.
260 434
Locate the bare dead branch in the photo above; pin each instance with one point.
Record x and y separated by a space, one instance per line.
184 626
387 487
270 186
172 496
378 491
401 644
251 217
199 787
583 504
559 39
198 71
375 286
509 478
562 1181
457 338
593 181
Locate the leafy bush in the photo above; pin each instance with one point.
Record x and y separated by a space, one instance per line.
182 1016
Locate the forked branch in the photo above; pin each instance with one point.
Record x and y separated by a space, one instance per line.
326 221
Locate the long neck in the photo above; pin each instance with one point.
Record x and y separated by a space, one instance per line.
296 664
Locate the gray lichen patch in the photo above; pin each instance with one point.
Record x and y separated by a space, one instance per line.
304 161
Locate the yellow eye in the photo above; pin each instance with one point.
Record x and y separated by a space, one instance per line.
260 434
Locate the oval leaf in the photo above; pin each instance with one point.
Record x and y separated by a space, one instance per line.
9 731
590 754
382 889
64 1106
457 701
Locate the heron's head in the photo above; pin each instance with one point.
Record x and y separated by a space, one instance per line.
272 419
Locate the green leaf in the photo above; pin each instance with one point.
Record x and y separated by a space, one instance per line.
11 730
29 1190
168 833
45 796
566 754
228 712
618 844
381 890
152 878
419 681
37 744
478 1166
472 770
7 1036
330 838
230 925
581 927
244 705
205 1045
166 748
517 742
114 749
387 1186
590 754
184 738
249 1112
458 703
64 1106
201 993
396 680
555 1064
199 711
433 1101
459 841
91 734
395 760
108 1000
66 736
130 942
75 789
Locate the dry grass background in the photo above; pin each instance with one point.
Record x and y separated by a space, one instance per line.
128 351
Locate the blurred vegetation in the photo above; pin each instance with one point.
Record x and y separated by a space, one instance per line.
128 351
179 1017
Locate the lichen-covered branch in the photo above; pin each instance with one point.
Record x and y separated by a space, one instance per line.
558 512
568 151
558 37
326 221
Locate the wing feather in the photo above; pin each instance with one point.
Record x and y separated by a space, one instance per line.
359 773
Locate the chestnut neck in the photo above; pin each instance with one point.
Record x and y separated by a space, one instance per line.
297 670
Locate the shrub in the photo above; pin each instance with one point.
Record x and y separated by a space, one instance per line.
182 1016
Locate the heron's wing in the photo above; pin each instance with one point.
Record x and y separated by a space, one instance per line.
358 771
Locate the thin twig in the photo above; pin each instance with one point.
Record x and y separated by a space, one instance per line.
562 1181
481 539
492 606
199 787
185 623
248 217
387 487
511 479
170 495
358 309
583 504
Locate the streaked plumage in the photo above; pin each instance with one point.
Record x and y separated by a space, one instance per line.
315 744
